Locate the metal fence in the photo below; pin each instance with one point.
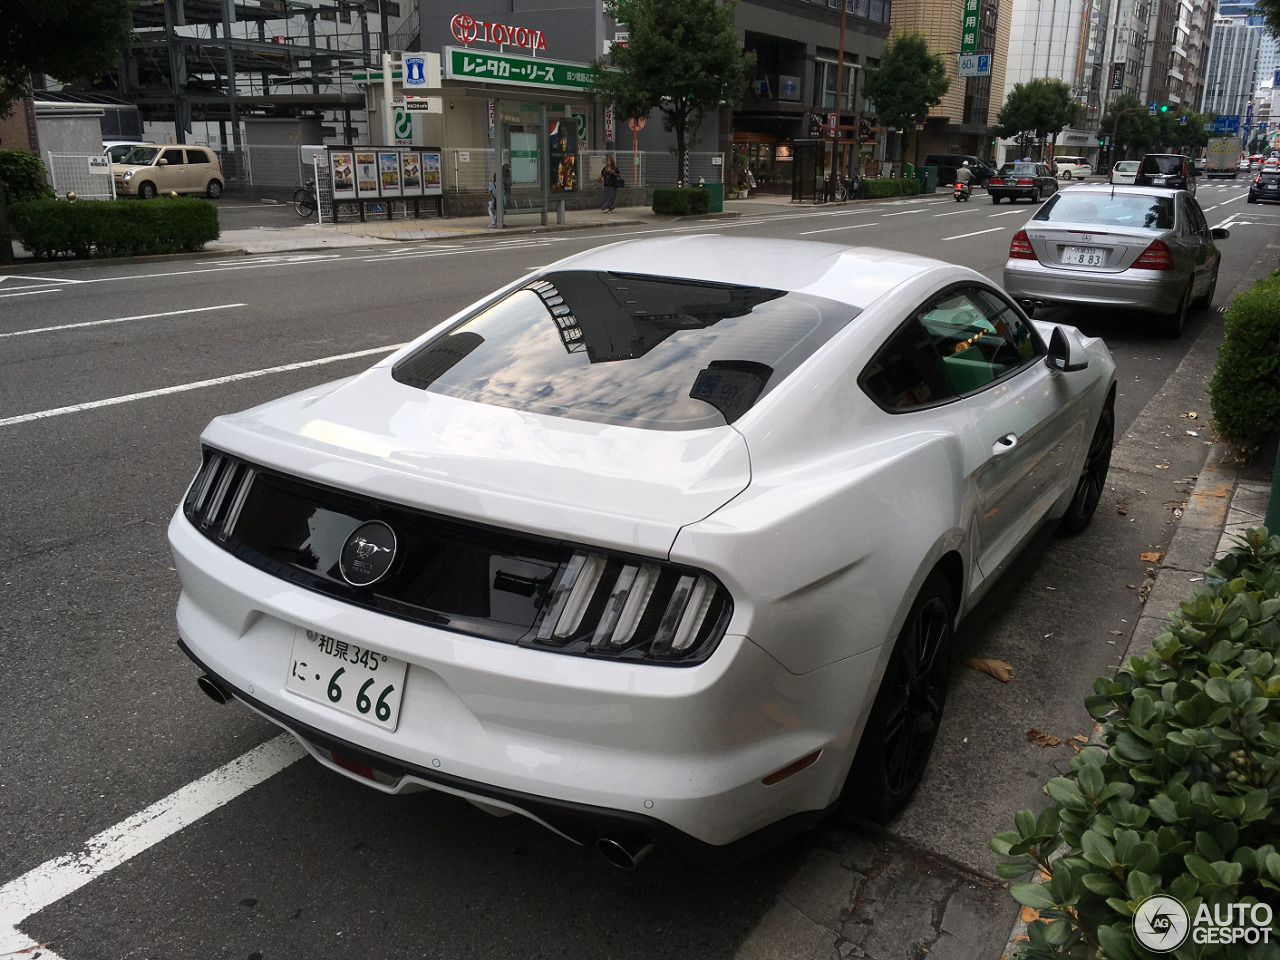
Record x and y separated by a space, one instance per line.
87 175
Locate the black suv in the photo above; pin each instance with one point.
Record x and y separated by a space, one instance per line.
949 163
1266 185
1171 170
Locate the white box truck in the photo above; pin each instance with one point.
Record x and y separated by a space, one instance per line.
1223 156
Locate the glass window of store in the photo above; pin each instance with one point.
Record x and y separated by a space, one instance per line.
824 83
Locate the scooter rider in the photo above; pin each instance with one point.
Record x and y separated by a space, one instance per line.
964 179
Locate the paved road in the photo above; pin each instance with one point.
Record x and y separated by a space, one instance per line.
107 375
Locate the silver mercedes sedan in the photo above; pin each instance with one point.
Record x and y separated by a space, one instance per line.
1138 248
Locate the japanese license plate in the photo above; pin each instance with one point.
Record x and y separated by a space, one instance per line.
354 680
1084 256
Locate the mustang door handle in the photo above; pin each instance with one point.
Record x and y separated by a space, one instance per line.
1004 444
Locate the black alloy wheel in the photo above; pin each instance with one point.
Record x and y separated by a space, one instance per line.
1093 474
904 719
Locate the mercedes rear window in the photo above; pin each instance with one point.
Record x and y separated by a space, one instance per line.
1112 209
640 351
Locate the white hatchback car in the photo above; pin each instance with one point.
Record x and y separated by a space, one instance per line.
664 543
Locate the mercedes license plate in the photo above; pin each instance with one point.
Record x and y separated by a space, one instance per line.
354 680
1084 256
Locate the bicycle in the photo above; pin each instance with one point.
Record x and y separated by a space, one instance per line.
304 199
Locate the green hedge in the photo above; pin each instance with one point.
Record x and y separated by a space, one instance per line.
1181 797
114 228
681 201
890 187
1245 389
23 176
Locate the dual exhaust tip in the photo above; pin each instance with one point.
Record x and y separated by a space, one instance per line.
623 851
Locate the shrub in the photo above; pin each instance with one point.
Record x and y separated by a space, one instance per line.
114 228
680 201
23 176
1245 389
1181 797
890 187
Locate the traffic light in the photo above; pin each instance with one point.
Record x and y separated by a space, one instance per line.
1164 108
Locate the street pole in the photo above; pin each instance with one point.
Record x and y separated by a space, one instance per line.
829 189
388 91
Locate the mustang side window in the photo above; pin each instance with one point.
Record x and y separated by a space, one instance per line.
979 337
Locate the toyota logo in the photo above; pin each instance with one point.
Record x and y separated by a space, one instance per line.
465 28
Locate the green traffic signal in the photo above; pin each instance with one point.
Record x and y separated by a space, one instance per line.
1164 108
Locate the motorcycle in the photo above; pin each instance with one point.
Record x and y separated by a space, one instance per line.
963 190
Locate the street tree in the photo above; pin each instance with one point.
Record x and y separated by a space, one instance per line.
907 83
1131 128
1035 111
682 58
66 39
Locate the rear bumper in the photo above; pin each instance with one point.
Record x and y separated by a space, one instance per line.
581 823
1159 293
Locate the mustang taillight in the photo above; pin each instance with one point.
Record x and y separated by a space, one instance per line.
217 495
1020 247
614 605
1156 257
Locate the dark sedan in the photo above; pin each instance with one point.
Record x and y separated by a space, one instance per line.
1266 185
1022 178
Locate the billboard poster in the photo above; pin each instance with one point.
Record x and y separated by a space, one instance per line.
342 169
366 174
431 185
564 154
411 173
389 173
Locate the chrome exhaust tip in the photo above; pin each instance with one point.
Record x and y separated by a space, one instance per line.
213 689
625 853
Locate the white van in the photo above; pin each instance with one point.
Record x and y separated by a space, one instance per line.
1069 167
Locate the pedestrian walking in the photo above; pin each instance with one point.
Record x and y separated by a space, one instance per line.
493 201
612 180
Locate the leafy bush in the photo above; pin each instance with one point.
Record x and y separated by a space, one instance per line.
680 201
114 228
23 176
1181 797
1245 389
890 187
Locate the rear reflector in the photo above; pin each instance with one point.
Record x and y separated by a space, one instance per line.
1155 257
1020 247
359 769
791 769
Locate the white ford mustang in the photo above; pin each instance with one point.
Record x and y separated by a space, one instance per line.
664 543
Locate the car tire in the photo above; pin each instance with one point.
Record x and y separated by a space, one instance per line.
994 198
904 718
1093 474
1205 300
1252 198
214 190
1035 195
146 190
1066 174
1176 321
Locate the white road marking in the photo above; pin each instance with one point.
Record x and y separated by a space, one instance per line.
40 280
31 293
978 233
951 214
1006 213
99 323
64 875
198 385
848 226
902 213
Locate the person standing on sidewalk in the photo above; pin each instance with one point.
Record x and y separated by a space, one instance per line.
612 180
493 201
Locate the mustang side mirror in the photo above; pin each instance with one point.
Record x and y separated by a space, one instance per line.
1063 354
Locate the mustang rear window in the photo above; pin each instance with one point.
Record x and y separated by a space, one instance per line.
641 351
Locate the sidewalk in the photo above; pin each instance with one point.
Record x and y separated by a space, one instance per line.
265 240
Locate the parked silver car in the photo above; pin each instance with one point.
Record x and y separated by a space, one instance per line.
1140 248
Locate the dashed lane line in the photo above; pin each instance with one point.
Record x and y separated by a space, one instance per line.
976 233
100 323
198 385
847 226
